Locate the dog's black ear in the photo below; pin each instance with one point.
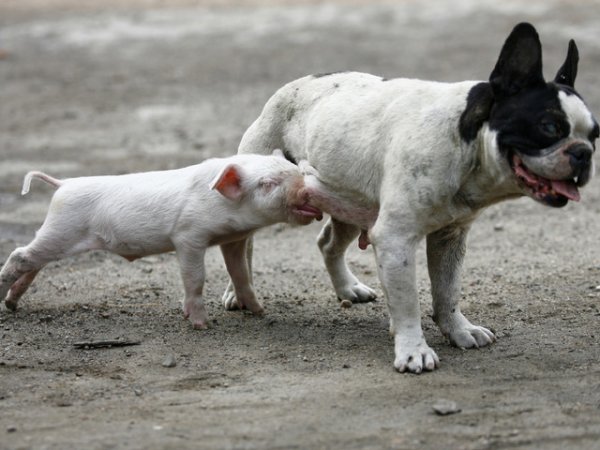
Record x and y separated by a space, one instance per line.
567 73
520 63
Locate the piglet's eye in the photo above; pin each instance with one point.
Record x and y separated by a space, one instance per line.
268 185
550 129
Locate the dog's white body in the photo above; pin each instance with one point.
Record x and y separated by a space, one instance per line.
393 153
218 202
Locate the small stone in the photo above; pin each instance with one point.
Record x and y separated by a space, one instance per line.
498 227
169 361
445 407
64 403
346 304
138 392
345 366
11 429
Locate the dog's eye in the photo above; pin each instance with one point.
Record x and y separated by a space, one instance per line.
550 129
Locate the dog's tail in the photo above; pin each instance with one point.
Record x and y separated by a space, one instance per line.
41 176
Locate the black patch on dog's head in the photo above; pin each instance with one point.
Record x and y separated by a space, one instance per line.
527 113
517 102
518 69
530 121
477 111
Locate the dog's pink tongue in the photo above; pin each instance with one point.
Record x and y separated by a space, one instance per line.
567 189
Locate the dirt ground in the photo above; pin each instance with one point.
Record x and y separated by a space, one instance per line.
140 85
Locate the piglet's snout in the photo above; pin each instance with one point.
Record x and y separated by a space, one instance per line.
300 201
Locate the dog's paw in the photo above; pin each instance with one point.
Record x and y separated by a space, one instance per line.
229 300
464 334
414 355
250 303
357 293
472 336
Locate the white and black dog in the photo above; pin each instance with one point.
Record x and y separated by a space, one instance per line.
421 159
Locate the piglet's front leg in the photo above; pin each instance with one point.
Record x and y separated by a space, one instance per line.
234 254
191 265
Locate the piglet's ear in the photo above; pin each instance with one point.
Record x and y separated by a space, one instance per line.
277 152
229 182
306 168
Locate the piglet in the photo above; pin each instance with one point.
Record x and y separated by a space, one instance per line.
218 202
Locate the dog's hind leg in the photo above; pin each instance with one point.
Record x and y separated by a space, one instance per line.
445 253
333 242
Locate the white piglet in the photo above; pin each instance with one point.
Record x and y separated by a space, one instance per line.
218 202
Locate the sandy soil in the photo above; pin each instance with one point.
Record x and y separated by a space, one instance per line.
154 85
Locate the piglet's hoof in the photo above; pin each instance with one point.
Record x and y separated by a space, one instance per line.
12 305
197 315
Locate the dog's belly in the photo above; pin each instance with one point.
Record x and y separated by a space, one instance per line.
356 129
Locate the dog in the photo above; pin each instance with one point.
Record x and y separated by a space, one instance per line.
420 159
140 214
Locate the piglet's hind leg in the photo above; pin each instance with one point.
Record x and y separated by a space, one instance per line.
17 274
18 288
24 263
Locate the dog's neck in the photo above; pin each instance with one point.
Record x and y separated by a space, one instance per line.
489 181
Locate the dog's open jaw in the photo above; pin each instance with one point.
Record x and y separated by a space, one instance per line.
551 192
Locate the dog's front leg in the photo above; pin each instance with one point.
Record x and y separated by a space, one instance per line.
396 265
445 253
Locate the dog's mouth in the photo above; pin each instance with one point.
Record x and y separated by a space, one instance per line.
555 193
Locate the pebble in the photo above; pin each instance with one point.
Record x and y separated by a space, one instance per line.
446 407
64 403
346 304
169 361
11 429
498 227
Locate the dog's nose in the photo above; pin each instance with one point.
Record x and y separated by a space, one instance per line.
580 156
